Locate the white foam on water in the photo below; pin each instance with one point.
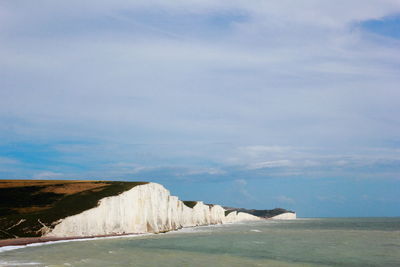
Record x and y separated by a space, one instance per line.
196 229
8 248
13 263
200 228
255 230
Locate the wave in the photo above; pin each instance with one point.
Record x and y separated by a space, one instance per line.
200 228
13 263
8 248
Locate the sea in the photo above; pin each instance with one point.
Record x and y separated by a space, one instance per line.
302 242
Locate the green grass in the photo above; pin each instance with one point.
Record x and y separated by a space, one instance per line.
190 204
259 213
54 206
228 211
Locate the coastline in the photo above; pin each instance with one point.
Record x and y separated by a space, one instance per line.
311 242
144 208
22 242
16 243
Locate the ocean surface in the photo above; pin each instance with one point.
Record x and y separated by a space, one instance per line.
303 242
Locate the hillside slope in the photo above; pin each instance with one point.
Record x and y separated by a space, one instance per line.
27 205
276 213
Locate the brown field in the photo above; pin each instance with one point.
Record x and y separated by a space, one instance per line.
55 186
65 187
22 183
27 205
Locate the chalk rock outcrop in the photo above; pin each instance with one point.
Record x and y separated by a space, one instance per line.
147 208
285 216
235 216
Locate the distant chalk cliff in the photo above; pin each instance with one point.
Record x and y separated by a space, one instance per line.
146 208
35 208
276 214
285 216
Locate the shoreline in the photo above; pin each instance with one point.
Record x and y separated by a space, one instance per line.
26 241
22 242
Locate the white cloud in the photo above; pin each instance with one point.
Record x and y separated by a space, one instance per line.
285 199
332 198
47 175
241 194
262 149
264 76
208 171
270 164
241 182
8 166
8 161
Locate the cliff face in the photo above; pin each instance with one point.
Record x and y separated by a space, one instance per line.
29 208
285 216
147 208
268 214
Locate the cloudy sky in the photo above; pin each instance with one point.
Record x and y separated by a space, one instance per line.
247 103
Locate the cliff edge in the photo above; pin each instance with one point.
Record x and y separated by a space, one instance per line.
276 214
91 208
285 216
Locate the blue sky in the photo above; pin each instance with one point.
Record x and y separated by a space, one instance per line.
256 104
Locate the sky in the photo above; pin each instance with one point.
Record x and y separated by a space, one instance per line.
254 104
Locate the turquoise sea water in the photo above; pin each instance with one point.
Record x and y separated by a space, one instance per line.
303 242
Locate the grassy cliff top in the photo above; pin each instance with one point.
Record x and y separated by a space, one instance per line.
258 213
27 205
190 203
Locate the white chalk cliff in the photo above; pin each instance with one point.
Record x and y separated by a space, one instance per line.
285 216
147 208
